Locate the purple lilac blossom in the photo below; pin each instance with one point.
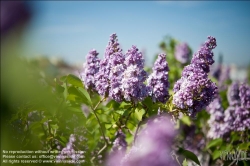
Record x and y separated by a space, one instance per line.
216 73
233 94
118 149
91 67
182 53
193 141
102 79
194 91
158 81
134 76
115 77
216 121
120 143
244 93
237 118
153 146
204 57
224 76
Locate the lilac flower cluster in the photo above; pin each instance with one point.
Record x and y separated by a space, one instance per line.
116 73
153 146
237 115
120 143
193 141
158 81
91 67
134 76
245 95
216 73
195 90
233 94
118 76
224 76
102 77
216 121
182 53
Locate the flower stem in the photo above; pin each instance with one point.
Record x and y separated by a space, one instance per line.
102 131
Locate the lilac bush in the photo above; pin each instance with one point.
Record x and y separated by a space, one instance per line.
158 81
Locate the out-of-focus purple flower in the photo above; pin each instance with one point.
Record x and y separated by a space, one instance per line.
194 90
233 94
153 146
193 141
216 73
13 13
134 76
102 77
244 93
224 76
158 81
237 118
216 121
182 53
91 67
85 110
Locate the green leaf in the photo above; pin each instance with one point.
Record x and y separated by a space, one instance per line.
63 78
244 146
121 112
55 126
74 109
185 163
71 97
139 114
214 142
59 88
148 102
124 105
108 125
186 120
85 96
65 93
74 80
113 104
189 155
216 154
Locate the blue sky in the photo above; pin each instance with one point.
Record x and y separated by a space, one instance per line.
71 29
